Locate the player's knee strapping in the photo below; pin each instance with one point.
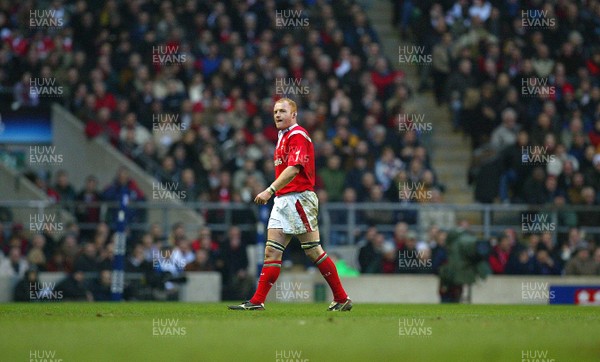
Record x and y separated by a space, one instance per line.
275 245
309 245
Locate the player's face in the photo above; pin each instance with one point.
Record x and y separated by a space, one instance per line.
283 115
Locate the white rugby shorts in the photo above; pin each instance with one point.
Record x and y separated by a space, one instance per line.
295 213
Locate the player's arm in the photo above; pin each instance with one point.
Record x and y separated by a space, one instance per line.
284 178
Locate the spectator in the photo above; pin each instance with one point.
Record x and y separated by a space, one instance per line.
441 61
101 287
506 134
334 178
89 195
201 263
500 255
408 255
103 126
140 134
24 288
63 187
22 94
596 258
248 170
88 260
183 251
568 247
439 251
73 288
37 255
534 187
581 263
389 260
14 266
387 167
205 241
544 264
121 186
237 284
519 262
574 191
137 261
592 176
588 218
189 186
370 254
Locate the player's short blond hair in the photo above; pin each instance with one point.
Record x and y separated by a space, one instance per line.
292 104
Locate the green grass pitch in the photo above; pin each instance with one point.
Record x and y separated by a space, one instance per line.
297 332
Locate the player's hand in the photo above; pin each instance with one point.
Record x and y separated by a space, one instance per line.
262 198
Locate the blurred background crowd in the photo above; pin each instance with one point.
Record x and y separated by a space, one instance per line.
515 75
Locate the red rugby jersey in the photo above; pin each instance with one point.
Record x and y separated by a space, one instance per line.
294 147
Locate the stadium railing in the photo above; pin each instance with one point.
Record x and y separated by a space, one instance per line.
342 222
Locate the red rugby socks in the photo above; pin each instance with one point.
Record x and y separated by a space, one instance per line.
329 272
268 277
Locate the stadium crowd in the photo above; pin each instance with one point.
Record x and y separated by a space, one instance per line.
188 94
521 80
157 264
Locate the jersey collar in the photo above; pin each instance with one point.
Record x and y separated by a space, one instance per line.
284 131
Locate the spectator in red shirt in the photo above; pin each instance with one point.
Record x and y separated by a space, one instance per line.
500 254
383 77
103 126
595 135
104 98
205 241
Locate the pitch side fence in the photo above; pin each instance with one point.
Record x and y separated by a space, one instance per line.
340 223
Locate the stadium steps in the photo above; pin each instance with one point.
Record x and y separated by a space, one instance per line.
450 151
29 205
83 157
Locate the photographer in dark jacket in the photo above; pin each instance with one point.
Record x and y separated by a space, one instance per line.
73 288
